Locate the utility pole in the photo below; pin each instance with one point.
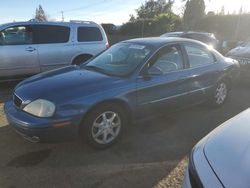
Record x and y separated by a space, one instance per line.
62 16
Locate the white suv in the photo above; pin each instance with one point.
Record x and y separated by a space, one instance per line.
28 48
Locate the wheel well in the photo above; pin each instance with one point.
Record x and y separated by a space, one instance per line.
227 79
124 106
81 58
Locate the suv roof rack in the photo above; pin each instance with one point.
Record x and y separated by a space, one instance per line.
82 22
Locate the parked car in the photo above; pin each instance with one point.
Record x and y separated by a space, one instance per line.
28 48
134 79
221 159
207 38
242 54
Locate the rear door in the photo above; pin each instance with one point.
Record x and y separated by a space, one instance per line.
54 46
18 53
203 71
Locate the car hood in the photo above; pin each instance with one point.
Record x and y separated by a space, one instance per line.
227 150
65 84
240 51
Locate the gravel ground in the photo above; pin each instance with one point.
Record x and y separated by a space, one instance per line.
2 116
175 177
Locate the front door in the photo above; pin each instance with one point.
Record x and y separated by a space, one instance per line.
163 88
18 54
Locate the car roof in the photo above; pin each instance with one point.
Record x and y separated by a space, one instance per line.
176 32
158 42
189 32
196 32
86 23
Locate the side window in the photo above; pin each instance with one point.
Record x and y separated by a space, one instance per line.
52 34
168 60
89 34
199 55
16 35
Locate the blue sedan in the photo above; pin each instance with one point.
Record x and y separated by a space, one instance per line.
132 80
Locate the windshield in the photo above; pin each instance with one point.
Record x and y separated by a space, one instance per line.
120 60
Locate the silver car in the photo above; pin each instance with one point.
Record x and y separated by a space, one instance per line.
242 55
28 48
222 158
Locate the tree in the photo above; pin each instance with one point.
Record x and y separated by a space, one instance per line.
222 11
132 18
152 27
194 11
40 14
241 10
151 9
109 28
152 18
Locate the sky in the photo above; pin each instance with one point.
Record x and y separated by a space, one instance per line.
100 11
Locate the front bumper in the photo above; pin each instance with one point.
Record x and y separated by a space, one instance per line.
37 129
244 66
186 181
199 173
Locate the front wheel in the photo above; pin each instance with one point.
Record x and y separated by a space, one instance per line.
103 126
220 94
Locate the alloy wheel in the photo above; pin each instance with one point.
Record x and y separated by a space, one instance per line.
221 93
106 127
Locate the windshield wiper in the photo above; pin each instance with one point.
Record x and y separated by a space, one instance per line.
98 69
92 67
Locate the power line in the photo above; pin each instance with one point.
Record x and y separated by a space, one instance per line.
82 7
103 12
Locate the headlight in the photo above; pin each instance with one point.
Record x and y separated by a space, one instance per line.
40 108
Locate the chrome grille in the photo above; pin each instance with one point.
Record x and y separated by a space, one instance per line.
242 61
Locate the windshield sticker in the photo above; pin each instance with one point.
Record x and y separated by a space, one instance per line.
137 47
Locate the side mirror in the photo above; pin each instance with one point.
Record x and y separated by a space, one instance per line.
154 71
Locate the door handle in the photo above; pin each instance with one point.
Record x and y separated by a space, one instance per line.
188 78
30 49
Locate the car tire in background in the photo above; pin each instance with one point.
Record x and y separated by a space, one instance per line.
103 125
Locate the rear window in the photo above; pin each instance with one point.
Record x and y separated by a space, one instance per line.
198 55
53 34
88 34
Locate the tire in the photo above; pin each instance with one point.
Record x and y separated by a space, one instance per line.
103 126
220 94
